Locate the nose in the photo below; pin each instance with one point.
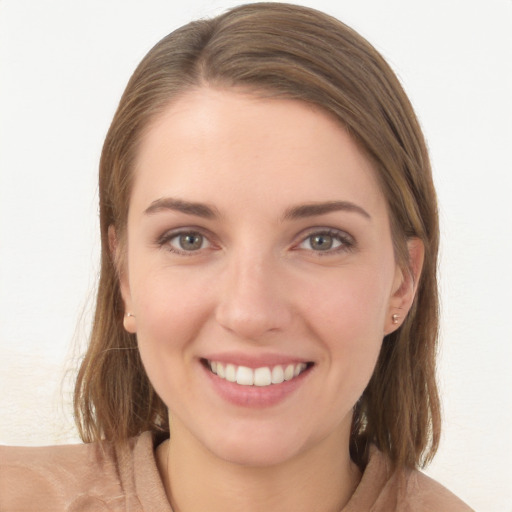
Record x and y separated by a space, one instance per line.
253 300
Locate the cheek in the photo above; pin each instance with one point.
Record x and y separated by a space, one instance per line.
168 299
348 318
353 303
169 318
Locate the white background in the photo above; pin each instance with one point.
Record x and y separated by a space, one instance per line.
63 66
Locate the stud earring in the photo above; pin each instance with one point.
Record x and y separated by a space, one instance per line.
394 318
130 314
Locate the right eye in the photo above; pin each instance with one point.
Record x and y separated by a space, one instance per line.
187 242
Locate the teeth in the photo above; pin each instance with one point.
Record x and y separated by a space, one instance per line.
244 376
264 376
231 373
277 375
288 372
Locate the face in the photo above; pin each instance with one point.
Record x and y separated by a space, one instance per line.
261 273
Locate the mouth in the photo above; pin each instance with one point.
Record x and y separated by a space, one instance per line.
261 377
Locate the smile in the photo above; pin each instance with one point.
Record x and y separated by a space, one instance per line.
263 376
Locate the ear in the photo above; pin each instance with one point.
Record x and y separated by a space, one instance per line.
129 319
405 286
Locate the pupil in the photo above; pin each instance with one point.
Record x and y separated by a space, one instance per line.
321 242
190 242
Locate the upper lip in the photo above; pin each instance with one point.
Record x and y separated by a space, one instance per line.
254 361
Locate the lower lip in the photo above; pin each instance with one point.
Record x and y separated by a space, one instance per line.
255 396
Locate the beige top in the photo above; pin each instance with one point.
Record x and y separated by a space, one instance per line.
77 478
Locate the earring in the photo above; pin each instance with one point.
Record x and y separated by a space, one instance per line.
130 314
394 318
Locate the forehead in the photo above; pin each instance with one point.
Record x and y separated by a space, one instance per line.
213 143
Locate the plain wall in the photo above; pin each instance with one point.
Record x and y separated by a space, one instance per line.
63 67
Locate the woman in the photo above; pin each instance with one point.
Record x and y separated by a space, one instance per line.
266 319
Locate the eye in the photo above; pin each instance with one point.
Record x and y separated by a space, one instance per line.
325 241
187 242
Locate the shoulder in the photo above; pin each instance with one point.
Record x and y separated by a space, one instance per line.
427 494
70 477
383 489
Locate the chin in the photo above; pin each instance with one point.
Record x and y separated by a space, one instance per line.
254 454
257 447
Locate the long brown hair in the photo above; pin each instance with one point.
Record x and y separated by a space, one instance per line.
286 51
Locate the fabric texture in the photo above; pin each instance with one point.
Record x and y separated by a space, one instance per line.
94 478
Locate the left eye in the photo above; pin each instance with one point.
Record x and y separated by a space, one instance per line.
188 242
322 242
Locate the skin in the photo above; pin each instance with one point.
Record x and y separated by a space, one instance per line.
258 286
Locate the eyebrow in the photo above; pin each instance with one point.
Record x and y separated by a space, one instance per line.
313 209
179 205
296 212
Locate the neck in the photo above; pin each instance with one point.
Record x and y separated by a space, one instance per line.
322 479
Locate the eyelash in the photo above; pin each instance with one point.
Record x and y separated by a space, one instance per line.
166 238
347 243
